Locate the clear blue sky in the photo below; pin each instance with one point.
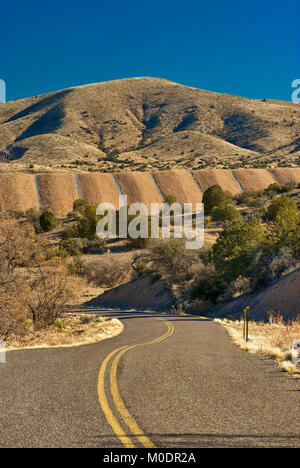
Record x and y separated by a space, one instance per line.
250 48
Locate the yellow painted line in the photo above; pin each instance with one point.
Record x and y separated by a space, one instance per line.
120 405
105 406
126 416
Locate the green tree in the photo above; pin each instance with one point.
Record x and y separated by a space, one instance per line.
233 250
48 220
284 212
213 197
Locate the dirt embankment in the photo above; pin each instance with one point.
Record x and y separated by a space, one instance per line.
286 175
223 177
179 183
139 188
281 297
98 188
58 192
17 192
21 191
254 179
144 292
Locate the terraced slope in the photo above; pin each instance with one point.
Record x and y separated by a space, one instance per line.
58 191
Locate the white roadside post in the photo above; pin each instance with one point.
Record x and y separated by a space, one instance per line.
2 352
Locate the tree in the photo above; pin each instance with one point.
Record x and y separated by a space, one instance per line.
233 250
213 197
48 220
284 212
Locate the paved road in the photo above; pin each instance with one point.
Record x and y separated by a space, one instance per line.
191 387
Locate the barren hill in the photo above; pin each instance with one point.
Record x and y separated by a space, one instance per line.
147 124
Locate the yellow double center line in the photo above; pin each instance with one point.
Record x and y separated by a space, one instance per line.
119 403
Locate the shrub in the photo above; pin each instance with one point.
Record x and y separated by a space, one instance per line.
169 256
267 266
213 197
226 213
72 246
48 221
107 272
284 212
232 252
210 288
170 199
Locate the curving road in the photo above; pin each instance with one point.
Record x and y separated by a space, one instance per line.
166 381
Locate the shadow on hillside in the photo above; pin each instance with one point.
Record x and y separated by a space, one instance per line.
42 104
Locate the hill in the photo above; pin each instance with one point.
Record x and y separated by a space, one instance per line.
146 124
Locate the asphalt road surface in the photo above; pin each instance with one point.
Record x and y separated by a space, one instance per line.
166 381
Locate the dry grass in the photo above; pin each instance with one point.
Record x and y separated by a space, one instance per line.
78 329
271 339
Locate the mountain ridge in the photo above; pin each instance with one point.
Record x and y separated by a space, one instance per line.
146 123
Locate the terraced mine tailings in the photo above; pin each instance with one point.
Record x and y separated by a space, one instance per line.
223 177
58 191
179 183
18 192
254 179
139 187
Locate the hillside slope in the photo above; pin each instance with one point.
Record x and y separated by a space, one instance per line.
281 297
148 124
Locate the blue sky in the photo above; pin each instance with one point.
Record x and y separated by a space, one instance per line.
250 49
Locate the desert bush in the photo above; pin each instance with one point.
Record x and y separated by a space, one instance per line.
13 314
48 221
284 212
169 256
237 287
267 266
209 288
170 199
107 272
76 266
225 213
233 250
72 246
47 289
94 246
213 197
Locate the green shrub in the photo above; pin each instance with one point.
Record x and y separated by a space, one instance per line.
73 246
60 324
170 199
233 250
226 213
283 211
48 221
213 197
209 288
